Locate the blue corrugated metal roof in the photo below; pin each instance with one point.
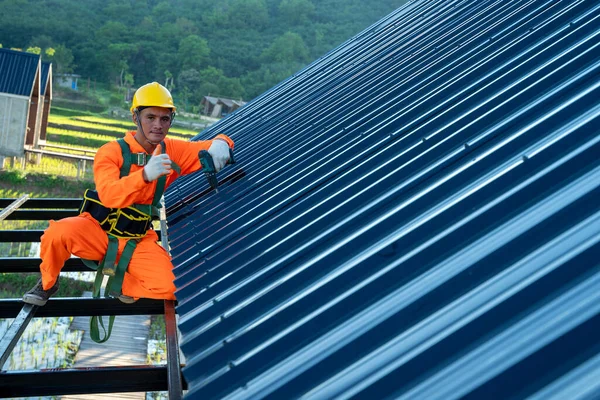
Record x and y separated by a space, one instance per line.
17 71
414 215
45 74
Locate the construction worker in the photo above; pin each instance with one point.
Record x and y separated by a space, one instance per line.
156 162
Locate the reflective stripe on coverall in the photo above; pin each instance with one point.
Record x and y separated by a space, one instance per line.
149 274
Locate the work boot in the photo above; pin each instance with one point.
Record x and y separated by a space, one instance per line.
38 296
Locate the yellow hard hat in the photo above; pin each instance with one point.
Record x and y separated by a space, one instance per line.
152 95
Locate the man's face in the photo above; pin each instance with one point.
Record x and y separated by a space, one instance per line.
155 122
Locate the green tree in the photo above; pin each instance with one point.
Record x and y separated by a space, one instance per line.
193 52
215 19
214 82
269 75
123 11
123 67
186 26
296 12
63 60
168 79
42 41
249 14
146 29
240 38
128 80
188 82
164 11
115 61
287 48
34 50
145 61
112 32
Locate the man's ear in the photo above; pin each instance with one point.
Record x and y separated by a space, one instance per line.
134 118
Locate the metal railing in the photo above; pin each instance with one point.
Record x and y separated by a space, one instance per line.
64 381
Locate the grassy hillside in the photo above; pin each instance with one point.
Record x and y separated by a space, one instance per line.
230 48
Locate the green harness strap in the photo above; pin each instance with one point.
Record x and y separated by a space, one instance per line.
112 283
108 265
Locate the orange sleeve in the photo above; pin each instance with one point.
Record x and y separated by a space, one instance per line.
185 154
115 192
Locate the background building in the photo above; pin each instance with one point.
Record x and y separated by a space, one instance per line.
22 104
218 107
25 101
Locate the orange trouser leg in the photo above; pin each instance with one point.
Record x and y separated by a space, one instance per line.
80 235
149 273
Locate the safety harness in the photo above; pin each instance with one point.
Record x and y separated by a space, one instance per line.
131 223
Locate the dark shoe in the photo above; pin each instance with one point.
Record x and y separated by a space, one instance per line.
38 296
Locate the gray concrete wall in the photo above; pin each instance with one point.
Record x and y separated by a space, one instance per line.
13 124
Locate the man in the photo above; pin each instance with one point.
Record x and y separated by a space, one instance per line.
149 271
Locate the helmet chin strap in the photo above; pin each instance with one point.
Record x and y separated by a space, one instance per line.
139 124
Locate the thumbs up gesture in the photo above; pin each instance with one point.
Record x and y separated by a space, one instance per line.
159 165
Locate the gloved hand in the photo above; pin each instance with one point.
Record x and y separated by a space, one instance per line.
219 151
159 165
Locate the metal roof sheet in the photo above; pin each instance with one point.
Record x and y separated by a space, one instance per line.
413 215
17 71
212 100
46 66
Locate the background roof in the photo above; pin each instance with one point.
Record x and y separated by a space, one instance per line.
45 75
17 72
414 215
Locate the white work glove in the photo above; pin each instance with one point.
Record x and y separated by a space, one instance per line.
219 151
159 165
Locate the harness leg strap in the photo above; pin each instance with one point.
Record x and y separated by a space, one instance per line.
117 282
113 286
110 259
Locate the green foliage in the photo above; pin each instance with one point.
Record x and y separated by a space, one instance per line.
193 52
63 60
45 183
13 177
296 12
66 111
248 14
213 81
253 43
288 48
157 327
187 81
33 50
43 41
268 76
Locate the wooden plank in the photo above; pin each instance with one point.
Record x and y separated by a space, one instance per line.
55 146
15 331
60 155
12 207
128 345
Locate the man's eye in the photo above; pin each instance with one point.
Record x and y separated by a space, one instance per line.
166 119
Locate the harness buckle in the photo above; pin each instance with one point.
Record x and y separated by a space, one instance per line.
141 159
109 270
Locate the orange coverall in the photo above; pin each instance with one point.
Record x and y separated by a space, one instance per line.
149 274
